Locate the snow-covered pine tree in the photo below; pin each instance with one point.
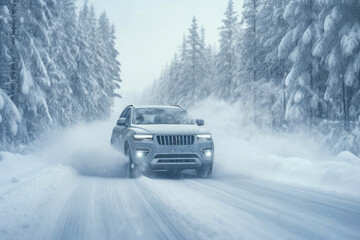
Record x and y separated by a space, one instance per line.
190 72
14 34
302 82
98 76
84 81
206 65
187 78
47 63
173 79
210 53
194 81
115 80
5 47
226 58
9 121
339 49
168 88
163 90
350 44
248 51
33 21
9 115
110 67
183 71
271 28
97 66
59 96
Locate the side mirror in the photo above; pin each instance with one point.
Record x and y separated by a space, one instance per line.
200 122
121 122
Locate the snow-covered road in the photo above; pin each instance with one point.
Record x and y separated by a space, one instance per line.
59 203
74 186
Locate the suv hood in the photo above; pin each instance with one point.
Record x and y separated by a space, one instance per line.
168 129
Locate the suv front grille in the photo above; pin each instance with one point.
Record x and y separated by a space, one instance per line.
175 139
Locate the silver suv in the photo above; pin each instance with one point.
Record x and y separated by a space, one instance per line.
163 138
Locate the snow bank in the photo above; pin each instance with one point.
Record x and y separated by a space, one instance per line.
287 158
15 166
21 218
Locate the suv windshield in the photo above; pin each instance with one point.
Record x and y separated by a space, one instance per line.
161 116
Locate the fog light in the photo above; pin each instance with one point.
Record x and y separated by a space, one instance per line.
207 152
141 153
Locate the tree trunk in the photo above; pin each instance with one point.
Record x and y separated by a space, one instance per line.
284 99
254 60
311 113
345 105
13 75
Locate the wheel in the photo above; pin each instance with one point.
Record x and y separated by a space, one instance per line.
204 171
133 169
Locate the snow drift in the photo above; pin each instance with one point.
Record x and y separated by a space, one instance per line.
292 158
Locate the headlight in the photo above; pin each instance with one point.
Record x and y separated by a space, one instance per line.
139 137
204 136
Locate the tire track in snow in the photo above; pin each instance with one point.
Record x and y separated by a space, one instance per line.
170 228
347 210
205 217
289 210
74 220
142 222
105 208
112 208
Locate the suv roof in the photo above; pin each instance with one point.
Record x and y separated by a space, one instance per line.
158 106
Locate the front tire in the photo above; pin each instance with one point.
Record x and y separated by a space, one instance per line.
133 169
204 171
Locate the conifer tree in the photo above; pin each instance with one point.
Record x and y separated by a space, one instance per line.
339 49
226 58
55 68
303 95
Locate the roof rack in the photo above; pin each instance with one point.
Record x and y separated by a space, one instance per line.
176 105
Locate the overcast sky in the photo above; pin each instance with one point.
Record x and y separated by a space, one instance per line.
150 31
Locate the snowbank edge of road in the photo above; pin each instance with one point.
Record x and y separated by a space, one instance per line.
289 158
39 189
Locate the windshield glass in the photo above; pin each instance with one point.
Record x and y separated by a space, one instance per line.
161 116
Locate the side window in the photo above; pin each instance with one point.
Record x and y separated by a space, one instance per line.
128 114
123 114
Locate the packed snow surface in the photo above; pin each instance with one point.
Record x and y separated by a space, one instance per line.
74 186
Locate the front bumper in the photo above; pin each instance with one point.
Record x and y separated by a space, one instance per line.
170 157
